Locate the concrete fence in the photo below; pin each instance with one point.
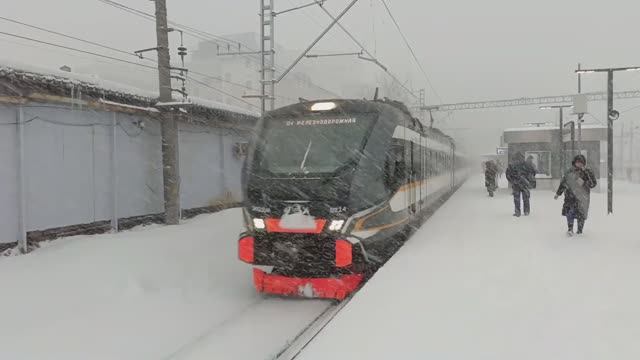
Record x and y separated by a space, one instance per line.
61 166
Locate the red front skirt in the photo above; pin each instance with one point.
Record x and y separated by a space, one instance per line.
328 288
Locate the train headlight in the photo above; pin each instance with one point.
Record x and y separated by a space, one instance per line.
258 224
336 225
323 106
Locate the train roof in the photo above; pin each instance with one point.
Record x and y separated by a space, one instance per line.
360 105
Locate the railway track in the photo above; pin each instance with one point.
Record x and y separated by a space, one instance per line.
293 348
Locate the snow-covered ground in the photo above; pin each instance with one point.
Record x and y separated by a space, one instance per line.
477 283
153 293
473 283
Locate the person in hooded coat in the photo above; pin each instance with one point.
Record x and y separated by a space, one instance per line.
576 185
521 176
490 174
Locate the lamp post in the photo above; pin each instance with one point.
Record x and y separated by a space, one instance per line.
631 157
560 137
612 115
572 124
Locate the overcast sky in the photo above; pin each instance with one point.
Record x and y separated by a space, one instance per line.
471 50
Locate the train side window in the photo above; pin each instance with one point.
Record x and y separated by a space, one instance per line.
395 168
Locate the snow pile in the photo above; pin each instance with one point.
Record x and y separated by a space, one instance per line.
477 283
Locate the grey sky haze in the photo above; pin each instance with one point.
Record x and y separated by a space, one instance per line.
472 50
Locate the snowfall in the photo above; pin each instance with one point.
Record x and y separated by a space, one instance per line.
472 283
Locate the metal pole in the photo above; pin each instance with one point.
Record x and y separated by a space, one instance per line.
609 142
263 75
114 173
580 115
631 151
22 217
272 59
169 130
622 149
223 181
573 138
561 143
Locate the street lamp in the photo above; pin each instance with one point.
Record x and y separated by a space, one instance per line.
572 124
612 115
560 137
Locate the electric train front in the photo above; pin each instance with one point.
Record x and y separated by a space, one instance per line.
298 201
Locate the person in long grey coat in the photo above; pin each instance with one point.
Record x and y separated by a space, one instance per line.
576 185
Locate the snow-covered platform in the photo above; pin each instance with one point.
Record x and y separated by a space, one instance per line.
476 283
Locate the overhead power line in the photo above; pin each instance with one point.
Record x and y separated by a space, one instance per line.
114 49
372 57
75 49
221 91
202 35
188 29
69 48
66 36
413 54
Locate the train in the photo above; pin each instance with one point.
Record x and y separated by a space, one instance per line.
332 189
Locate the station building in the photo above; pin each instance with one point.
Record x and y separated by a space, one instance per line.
552 151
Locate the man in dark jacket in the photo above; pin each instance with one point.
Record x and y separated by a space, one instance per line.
490 174
521 176
576 185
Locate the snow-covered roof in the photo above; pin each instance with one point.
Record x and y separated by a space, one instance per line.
61 82
547 128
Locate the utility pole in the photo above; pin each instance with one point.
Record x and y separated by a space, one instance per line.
622 149
267 50
609 141
580 116
169 125
561 143
631 157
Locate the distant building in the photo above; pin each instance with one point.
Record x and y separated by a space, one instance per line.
553 158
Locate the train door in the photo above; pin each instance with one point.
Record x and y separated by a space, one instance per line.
411 188
423 171
452 166
417 165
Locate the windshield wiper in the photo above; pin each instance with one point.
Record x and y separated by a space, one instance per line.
304 160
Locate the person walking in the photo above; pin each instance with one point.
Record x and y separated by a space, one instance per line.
520 175
490 174
576 185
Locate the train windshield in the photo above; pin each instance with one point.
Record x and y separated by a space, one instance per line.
300 146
